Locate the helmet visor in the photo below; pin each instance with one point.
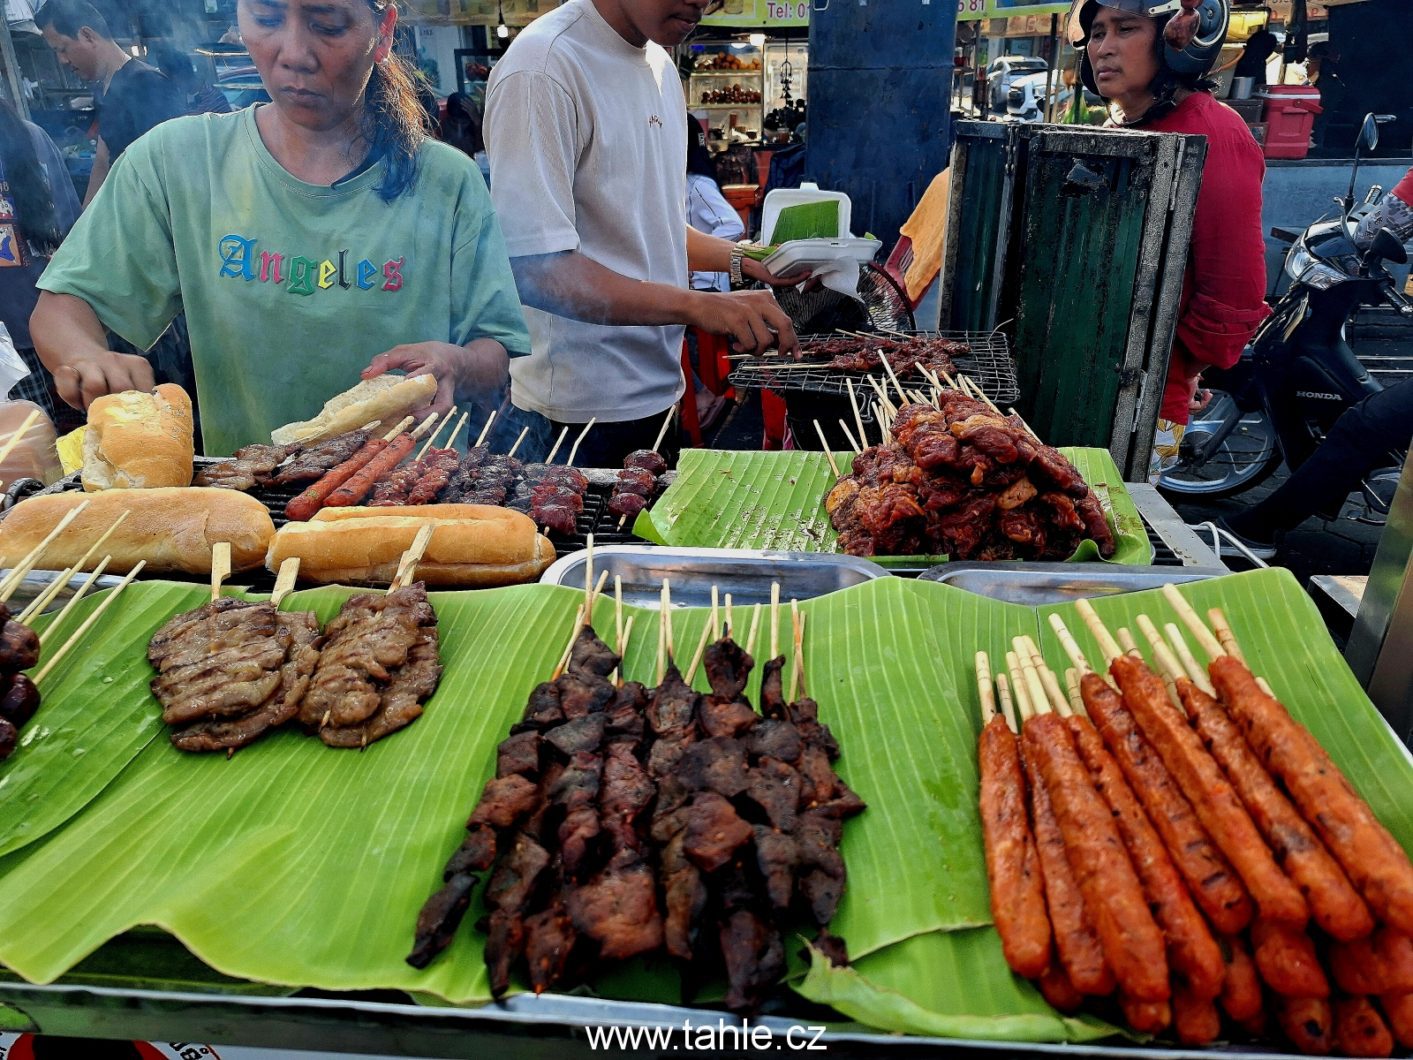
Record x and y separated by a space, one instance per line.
1082 12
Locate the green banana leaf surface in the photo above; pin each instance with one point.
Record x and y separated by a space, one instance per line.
295 865
732 499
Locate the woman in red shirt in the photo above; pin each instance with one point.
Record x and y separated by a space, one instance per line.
1149 62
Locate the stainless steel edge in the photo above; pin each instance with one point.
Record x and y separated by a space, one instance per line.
1034 584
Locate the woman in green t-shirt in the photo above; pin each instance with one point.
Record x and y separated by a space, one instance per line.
310 240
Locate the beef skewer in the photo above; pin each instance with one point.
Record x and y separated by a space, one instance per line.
311 462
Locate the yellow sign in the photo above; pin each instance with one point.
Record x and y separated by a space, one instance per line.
971 10
763 13
474 12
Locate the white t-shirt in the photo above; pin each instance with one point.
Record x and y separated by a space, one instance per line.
709 212
587 137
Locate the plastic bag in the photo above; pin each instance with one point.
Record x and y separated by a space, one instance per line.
12 366
34 453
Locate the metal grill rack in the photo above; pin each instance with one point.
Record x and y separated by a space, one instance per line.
988 364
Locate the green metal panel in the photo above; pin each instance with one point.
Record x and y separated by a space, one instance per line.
978 224
1084 221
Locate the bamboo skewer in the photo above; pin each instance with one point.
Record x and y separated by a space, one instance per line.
1028 429
1107 645
729 628
714 625
1008 709
849 437
486 430
667 618
460 423
1024 707
407 566
21 569
431 439
1190 618
825 443
1167 665
755 628
618 612
575 627
1126 641
574 449
1225 636
284 581
517 442
697 655
44 599
1195 673
563 433
220 566
73 600
402 425
985 691
617 677
797 670
88 622
893 376
589 579
18 433
662 433
1070 645
1072 690
858 417
1048 679
774 620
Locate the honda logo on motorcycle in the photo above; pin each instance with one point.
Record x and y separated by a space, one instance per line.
1318 395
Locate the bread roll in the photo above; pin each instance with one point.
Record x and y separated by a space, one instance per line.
138 440
473 546
384 399
173 529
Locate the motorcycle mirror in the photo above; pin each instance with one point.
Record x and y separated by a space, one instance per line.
1388 247
1369 132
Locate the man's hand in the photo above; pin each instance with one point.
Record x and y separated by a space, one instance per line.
755 270
753 321
82 380
479 366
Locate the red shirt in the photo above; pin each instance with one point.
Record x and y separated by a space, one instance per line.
1224 288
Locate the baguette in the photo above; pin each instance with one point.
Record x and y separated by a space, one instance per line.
172 528
384 399
138 440
473 546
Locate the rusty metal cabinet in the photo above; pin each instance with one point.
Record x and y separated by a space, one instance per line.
1074 240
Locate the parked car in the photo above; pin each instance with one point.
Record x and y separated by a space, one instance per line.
1026 99
1003 71
242 87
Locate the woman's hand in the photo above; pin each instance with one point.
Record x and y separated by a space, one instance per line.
755 270
481 366
82 380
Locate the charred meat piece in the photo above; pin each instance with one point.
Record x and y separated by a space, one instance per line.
439 918
713 831
504 802
309 463
251 466
557 517
625 792
558 475
437 468
19 700
581 734
728 666
19 646
618 908
221 660
725 717
627 504
755 959
519 754
717 764
368 642
685 896
505 943
400 703
647 460
549 943
635 480
775 786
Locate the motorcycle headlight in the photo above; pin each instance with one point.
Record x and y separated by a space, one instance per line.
1303 267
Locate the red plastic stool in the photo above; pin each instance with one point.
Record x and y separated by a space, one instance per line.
772 408
687 407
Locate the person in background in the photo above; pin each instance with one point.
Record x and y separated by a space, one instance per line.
1259 48
709 212
37 208
461 127
309 239
1361 440
1129 58
132 97
202 97
585 126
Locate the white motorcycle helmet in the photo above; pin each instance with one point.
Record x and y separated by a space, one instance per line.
1193 32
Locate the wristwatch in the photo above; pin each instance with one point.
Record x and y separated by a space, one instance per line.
737 253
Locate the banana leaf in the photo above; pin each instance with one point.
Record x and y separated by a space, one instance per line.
729 499
296 865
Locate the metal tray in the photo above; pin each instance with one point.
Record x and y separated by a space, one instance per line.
36 581
744 573
1054 583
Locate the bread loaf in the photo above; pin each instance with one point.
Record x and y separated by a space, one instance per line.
384 400
472 545
173 529
138 440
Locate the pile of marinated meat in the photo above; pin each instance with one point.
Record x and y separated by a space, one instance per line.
962 481
550 494
624 821
232 670
905 355
19 698
281 465
637 483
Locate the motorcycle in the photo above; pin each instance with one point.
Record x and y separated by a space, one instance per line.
1299 375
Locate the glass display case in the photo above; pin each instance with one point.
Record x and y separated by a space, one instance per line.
726 84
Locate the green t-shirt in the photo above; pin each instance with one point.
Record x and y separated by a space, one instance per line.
289 288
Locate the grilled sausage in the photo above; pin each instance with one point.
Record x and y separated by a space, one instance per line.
1369 854
1398 1010
1359 1030
1056 988
1147 1017
1195 1019
356 487
1334 903
1191 948
1307 1022
1077 945
1287 960
1131 941
1241 989
308 503
1211 795
1017 897
1216 889
1379 964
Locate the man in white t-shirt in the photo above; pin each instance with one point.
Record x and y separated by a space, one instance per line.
585 128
